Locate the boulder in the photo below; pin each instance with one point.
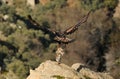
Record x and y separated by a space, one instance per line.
53 70
117 11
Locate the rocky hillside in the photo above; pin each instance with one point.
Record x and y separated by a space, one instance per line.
53 70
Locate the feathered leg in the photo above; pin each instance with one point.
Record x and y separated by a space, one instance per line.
59 54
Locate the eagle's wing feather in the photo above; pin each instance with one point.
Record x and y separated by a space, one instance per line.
75 27
44 29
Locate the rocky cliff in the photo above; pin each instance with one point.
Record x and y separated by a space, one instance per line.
117 11
53 70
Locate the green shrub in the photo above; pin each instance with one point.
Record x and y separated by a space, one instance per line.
18 68
58 77
96 4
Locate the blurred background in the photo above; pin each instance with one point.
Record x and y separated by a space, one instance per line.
24 47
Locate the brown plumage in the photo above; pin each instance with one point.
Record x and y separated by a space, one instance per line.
75 27
58 36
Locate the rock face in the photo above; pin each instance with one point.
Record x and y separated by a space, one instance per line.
53 70
31 3
8 2
117 11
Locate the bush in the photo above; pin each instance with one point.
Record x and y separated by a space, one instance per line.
96 4
18 68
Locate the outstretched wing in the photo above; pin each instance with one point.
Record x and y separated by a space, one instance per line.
75 27
44 29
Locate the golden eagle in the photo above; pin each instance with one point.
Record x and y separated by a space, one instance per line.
60 37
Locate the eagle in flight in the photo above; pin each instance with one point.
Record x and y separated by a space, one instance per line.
60 37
